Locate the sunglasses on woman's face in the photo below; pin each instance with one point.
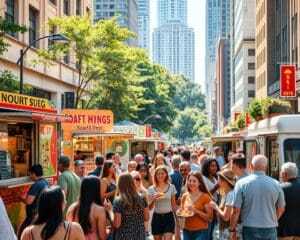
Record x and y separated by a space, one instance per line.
137 179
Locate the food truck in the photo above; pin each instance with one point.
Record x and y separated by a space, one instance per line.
28 135
278 138
89 133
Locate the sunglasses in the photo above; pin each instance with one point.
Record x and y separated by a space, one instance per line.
137 179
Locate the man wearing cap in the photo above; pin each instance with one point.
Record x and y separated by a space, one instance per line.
259 200
218 156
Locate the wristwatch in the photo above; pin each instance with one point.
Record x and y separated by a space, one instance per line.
232 230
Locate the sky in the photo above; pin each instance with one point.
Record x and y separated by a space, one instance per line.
196 20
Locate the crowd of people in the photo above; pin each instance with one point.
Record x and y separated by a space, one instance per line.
181 193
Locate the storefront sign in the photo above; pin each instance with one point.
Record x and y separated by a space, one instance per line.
81 120
48 150
21 102
139 131
288 81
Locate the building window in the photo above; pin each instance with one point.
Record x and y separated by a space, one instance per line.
53 1
66 59
251 52
10 13
32 26
66 7
251 80
78 3
251 66
251 93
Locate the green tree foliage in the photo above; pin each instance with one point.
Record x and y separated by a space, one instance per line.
8 82
107 76
160 88
189 125
6 26
188 94
118 87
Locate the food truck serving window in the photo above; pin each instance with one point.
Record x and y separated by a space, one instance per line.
292 151
16 149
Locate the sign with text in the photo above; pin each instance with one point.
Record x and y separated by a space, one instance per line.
47 140
21 102
83 120
141 131
287 81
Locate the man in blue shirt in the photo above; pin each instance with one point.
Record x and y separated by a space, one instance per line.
260 201
31 200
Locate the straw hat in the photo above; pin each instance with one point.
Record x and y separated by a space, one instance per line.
228 175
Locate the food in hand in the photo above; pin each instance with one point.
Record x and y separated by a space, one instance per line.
161 195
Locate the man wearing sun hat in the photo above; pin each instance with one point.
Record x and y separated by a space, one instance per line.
259 200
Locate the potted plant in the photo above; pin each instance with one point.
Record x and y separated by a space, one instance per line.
256 109
241 121
276 106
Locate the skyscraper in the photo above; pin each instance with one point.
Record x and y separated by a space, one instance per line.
173 40
127 11
243 54
144 24
217 26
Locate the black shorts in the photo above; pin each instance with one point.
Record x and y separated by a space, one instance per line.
162 223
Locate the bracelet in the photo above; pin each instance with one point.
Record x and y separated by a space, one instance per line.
232 230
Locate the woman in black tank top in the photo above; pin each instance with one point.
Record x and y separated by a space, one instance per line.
50 222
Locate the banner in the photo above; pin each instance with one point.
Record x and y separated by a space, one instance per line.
17 101
287 81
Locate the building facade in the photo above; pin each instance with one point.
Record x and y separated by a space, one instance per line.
173 40
242 55
51 82
126 10
144 24
223 83
217 26
277 36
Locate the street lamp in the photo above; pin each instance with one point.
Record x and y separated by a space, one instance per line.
59 38
157 116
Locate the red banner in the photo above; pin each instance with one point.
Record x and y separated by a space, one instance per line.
287 81
148 131
248 119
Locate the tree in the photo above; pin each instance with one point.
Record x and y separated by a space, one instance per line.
8 81
118 87
188 94
160 89
7 26
190 125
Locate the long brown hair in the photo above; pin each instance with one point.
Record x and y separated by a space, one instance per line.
128 193
105 171
163 168
202 185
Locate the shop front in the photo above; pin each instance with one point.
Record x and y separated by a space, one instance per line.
28 135
88 134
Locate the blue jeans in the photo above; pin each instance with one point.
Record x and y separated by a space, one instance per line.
211 228
253 233
195 235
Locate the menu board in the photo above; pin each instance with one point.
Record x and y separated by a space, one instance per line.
47 147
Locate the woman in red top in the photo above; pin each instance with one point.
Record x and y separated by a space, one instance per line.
195 207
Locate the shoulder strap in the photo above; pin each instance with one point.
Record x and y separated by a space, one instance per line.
67 234
31 234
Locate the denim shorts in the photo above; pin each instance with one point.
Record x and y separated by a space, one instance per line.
195 235
253 233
